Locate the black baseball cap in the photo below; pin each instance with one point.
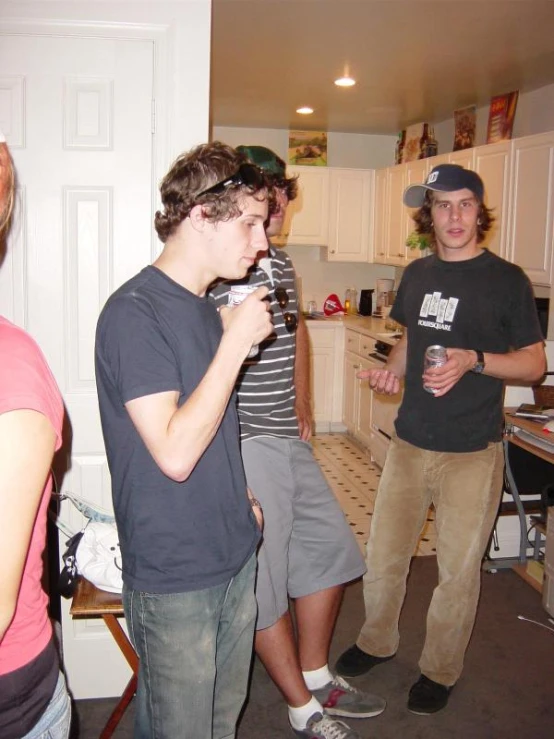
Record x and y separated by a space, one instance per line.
445 178
264 158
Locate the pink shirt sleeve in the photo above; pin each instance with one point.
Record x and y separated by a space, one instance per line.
26 381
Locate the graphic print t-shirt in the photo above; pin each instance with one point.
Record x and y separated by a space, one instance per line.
482 303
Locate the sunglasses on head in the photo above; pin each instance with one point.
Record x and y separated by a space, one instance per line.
247 174
282 297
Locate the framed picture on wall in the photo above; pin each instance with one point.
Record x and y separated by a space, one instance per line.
502 114
464 127
412 143
308 148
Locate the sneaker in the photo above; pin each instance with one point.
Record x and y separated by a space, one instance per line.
426 696
354 662
338 698
321 726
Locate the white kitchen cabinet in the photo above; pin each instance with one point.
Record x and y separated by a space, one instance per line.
326 352
357 393
531 210
307 219
380 216
416 174
464 157
395 248
393 221
357 398
350 193
492 163
352 365
364 396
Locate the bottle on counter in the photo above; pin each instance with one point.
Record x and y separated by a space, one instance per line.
351 301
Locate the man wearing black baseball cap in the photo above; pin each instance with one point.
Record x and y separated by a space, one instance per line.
447 450
445 178
308 550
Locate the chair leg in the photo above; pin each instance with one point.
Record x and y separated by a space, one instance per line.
523 540
119 710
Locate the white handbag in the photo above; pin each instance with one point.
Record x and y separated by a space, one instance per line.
98 556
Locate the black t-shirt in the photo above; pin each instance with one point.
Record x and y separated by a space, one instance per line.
155 336
483 303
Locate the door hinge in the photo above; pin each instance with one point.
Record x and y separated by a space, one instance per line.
153 116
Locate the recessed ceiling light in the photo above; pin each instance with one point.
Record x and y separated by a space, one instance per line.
345 82
305 110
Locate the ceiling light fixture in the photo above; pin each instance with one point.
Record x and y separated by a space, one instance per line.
305 110
345 82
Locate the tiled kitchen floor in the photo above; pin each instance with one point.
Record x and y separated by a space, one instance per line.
354 480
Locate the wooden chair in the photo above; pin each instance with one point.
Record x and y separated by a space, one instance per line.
90 602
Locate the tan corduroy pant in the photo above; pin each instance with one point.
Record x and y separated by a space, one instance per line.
465 489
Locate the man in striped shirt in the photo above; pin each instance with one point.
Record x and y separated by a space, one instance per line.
308 550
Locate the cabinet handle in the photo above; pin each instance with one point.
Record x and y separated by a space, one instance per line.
400 254
332 251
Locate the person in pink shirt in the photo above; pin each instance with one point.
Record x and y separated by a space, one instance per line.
34 703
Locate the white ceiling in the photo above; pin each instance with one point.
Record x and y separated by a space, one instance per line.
415 60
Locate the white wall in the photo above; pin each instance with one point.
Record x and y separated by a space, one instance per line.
534 114
359 151
320 278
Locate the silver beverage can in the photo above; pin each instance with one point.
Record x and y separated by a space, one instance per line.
237 294
435 356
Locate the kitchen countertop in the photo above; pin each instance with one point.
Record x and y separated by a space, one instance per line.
367 325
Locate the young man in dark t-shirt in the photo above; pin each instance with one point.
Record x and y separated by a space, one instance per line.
166 365
447 449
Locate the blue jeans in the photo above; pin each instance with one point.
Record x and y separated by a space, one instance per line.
195 651
56 719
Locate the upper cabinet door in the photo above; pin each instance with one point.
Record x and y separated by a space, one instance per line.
350 192
531 230
492 162
416 174
463 157
395 245
380 216
307 220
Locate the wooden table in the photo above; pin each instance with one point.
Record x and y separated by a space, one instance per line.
90 602
535 428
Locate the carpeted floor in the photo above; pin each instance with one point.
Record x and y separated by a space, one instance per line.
506 691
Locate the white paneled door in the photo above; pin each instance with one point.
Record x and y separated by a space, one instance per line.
77 113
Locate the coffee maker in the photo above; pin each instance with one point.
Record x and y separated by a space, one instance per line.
383 288
366 302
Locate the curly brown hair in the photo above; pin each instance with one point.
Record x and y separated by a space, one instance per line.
424 220
195 171
7 188
282 182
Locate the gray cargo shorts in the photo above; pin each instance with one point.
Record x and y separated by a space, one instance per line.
307 543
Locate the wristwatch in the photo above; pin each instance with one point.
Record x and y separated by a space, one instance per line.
479 365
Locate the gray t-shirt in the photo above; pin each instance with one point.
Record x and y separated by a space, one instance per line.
155 336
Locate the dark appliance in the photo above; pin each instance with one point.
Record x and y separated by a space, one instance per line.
365 307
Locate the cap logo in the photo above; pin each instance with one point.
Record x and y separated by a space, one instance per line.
433 177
